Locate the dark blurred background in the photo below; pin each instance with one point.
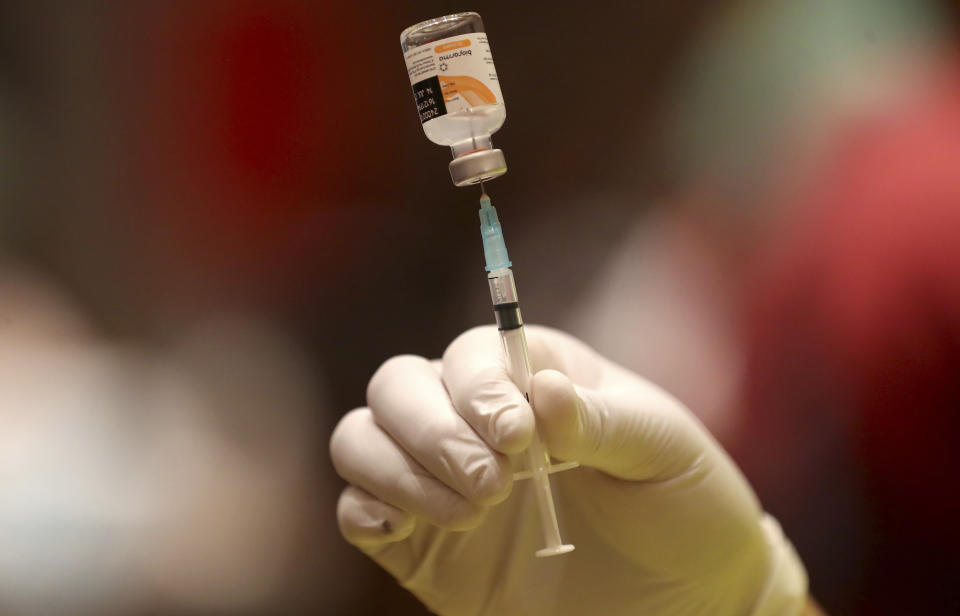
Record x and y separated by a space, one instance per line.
218 218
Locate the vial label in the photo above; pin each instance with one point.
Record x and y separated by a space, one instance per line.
453 75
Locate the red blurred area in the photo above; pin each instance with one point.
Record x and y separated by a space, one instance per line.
857 331
241 132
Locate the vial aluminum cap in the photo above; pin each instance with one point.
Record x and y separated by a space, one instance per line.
477 166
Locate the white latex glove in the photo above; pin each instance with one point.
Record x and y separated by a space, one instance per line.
662 520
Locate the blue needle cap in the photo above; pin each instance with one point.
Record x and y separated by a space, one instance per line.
494 248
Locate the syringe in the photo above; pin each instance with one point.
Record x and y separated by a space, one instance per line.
503 292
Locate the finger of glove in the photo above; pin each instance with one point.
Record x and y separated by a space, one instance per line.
368 522
408 400
366 456
638 432
475 375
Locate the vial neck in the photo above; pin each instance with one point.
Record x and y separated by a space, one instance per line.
474 144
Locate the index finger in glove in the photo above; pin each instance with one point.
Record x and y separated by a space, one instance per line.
409 402
475 375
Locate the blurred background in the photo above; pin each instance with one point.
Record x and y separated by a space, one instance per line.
218 218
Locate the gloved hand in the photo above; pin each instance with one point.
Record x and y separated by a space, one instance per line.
663 521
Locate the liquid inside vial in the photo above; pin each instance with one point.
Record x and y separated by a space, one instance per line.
474 126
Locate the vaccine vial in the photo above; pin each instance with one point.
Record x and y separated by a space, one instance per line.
457 93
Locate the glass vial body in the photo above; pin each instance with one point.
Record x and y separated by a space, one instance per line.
454 81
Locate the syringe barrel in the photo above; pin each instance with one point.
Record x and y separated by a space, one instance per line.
503 289
536 457
518 359
503 293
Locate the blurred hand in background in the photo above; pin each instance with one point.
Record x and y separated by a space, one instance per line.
182 477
